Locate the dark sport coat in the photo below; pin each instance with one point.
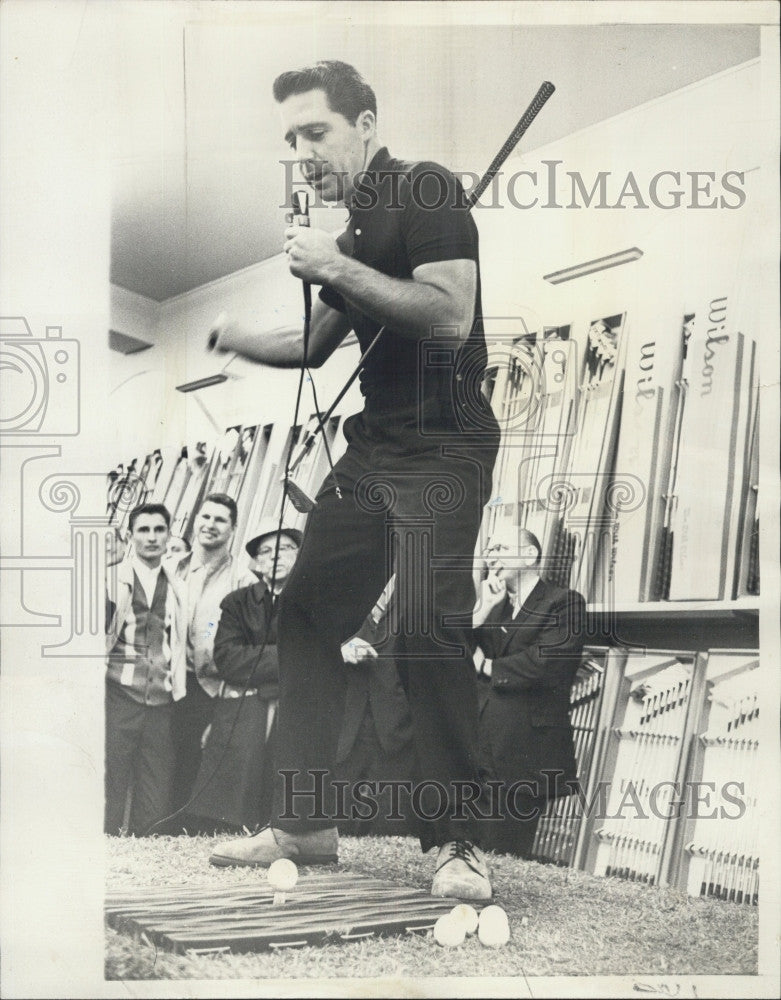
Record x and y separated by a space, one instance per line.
524 707
245 647
375 686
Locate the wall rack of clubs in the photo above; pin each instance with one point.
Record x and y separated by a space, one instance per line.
668 753
608 433
247 463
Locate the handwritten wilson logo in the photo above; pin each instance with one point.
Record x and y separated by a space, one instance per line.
717 317
645 383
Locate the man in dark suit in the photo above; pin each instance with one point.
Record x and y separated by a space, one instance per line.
530 634
376 742
234 787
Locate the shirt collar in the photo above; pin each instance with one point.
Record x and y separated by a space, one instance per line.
517 603
369 178
380 160
142 568
196 564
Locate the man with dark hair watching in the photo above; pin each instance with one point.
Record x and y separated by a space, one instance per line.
144 677
414 478
207 574
530 642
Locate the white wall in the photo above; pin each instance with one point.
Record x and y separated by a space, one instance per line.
265 294
133 314
703 127
137 394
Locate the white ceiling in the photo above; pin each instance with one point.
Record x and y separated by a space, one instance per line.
197 180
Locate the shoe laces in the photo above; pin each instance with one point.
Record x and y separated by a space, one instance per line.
462 850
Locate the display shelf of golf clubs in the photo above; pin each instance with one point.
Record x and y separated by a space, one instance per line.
643 754
679 609
676 624
559 828
719 854
666 724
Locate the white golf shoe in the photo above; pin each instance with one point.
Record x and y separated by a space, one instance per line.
462 872
314 847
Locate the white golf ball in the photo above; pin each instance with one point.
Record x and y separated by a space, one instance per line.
448 932
493 935
493 929
282 875
467 915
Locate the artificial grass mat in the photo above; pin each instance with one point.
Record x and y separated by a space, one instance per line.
563 922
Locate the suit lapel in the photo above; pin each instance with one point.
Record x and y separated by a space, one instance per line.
516 628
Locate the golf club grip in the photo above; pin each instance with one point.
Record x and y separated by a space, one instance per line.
539 99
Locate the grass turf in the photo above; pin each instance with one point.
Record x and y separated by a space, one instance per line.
563 923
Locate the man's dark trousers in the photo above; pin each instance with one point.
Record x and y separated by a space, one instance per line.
192 715
139 756
418 516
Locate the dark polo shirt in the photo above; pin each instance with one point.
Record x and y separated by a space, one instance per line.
404 215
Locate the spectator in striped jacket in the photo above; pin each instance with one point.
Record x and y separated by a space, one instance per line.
145 676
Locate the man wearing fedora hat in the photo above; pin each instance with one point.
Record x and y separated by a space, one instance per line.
274 553
235 783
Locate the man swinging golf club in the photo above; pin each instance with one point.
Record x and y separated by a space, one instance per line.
414 478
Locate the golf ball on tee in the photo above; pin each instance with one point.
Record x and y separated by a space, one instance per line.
449 932
467 915
282 875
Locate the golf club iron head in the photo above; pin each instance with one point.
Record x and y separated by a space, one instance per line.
303 503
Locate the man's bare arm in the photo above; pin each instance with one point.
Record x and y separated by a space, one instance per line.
441 293
283 347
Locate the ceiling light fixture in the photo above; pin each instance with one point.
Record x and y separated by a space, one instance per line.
204 383
592 266
126 344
